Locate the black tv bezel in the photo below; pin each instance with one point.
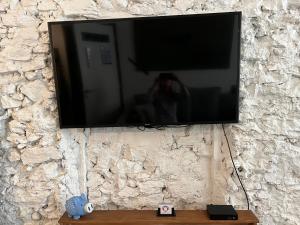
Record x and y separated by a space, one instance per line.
62 126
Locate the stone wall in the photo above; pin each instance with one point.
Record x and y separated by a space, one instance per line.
41 166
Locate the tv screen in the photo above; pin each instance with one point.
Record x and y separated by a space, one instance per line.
169 70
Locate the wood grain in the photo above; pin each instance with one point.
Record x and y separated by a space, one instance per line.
148 217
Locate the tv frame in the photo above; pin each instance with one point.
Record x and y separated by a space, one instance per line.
149 125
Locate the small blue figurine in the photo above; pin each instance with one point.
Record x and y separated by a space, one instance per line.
78 206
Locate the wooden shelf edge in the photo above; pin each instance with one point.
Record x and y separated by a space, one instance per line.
148 217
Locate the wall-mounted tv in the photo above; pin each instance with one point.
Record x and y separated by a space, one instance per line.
157 71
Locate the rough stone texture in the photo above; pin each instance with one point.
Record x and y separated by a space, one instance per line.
75 8
33 155
35 91
132 169
42 166
8 102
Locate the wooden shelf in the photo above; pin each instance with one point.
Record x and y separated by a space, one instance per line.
148 217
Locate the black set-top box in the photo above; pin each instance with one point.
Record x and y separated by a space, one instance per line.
221 212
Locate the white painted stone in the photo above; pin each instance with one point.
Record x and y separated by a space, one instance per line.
35 64
43 27
27 3
117 14
150 201
42 121
121 3
50 170
21 146
41 48
129 192
44 38
35 155
18 19
51 211
140 9
44 172
8 89
26 21
24 114
32 194
260 52
48 74
107 188
27 36
16 138
79 8
3 31
17 127
273 4
294 87
95 179
26 102
47 5
14 155
18 96
8 67
48 140
150 187
3 6
149 166
36 216
131 183
32 137
9 20
252 8
8 102
35 90
106 4
17 53
184 4
33 75
294 4
189 190
13 4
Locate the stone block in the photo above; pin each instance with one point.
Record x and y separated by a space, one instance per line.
14 155
8 102
47 5
35 90
79 8
17 127
35 155
151 187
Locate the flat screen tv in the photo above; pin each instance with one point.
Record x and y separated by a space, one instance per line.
147 71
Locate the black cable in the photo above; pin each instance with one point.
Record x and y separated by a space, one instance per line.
238 176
